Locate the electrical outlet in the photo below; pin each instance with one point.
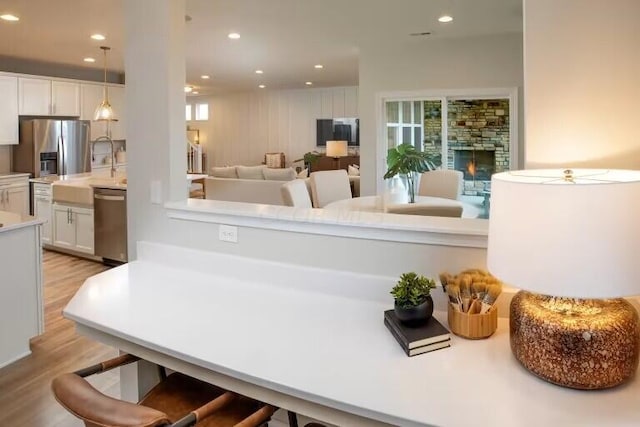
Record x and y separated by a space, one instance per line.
228 233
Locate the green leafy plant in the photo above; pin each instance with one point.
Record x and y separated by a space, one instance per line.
412 290
309 158
406 160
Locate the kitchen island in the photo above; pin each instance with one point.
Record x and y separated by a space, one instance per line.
312 341
21 294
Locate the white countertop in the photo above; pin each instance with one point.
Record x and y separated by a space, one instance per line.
12 221
313 335
14 175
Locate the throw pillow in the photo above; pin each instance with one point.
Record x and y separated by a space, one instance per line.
304 173
224 172
250 172
286 174
353 171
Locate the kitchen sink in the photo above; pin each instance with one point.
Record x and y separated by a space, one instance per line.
80 191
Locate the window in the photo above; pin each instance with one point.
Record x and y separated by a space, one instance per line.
188 112
202 111
404 124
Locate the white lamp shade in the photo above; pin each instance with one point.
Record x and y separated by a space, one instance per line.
578 239
337 148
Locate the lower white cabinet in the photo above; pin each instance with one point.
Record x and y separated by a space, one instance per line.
42 209
14 194
73 228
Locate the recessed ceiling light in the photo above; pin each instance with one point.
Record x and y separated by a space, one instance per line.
318 66
89 59
234 36
195 92
308 83
259 72
9 17
188 89
261 86
445 18
204 76
98 37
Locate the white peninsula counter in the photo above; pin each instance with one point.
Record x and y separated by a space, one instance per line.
21 298
313 341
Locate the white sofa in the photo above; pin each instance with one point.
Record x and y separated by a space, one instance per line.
244 190
250 184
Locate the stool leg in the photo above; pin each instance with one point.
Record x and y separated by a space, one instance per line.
293 419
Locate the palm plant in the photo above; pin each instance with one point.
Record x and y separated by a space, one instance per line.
406 161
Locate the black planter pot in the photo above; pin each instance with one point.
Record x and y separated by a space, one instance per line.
415 315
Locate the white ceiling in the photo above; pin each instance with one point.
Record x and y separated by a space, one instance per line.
285 38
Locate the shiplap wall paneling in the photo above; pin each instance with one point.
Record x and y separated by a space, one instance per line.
327 104
338 103
351 101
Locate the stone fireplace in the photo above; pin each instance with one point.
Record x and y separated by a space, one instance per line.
475 164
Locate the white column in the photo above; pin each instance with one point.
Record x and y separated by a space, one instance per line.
155 104
582 83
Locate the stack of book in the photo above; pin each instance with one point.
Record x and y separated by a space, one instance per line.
422 339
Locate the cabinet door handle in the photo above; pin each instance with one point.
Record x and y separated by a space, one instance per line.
70 217
68 221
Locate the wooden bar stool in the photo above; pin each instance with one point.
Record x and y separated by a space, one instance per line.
177 401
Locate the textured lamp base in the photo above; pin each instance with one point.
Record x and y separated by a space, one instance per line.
576 343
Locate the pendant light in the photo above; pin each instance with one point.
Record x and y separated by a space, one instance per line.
104 112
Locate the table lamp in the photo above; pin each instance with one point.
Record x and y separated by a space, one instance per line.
570 240
337 149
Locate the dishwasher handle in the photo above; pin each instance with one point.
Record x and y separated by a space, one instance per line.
110 198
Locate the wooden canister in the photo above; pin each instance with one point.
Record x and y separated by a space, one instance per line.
473 326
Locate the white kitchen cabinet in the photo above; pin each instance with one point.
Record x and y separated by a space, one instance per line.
8 110
34 97
91 97
65 98
42 209
14 194
44 97
83 220
116 98
73 228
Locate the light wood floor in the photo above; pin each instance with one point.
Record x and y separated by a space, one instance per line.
25 397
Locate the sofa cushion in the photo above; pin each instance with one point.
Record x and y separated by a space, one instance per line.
286 174
224 172
304 173
353 170
250 172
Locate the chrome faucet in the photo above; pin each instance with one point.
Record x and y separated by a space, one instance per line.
110 141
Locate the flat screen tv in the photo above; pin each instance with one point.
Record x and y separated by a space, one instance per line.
340 129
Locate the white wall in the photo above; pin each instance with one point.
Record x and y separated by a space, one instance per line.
244 126
582 83
479 62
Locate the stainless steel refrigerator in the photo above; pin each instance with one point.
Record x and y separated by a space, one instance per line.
53 147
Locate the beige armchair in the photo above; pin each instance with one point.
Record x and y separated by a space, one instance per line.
441 183
329 186
295 193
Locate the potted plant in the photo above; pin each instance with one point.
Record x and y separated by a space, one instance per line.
413 304
409 163
309 159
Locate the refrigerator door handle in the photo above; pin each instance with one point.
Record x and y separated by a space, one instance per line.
61 151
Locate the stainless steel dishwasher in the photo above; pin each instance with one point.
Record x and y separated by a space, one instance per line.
110 224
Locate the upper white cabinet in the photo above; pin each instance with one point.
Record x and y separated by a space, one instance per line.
91 95
8 110
35 97
65 98
42 97
116 98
